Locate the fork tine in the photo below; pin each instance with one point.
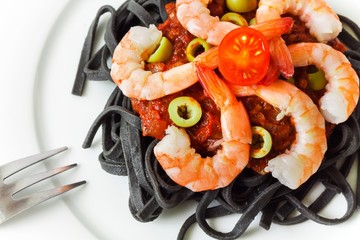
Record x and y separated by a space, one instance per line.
31 180
40 197
13 167
20 205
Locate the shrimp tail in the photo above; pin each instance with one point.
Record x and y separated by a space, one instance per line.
213 85
272 30
272 74
210 58
282 57
188 168
275 27
229 105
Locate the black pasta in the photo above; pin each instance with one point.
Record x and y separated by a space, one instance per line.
127 153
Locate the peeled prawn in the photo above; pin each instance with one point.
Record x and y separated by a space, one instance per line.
127 69
342 89
321 20
188 168
303 159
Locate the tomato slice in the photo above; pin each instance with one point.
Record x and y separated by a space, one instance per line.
244 56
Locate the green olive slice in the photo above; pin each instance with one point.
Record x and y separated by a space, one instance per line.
261 143
196 47
252 22
163 52
317 80
185 111
291 80
235 18
241 6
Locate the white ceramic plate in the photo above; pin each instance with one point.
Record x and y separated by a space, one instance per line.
38 64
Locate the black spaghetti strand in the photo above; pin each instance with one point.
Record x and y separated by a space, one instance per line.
145 17
162 10
268 213
287 208
357 188
246 218
130 117
350 41
96 69
139 197
352 25
348 193
190 221
354 58
168 196
126 152
326 196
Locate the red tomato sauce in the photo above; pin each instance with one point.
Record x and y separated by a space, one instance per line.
282 131
155 118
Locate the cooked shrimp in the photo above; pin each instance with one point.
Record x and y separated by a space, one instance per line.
342 89
303 159
127 69
321 20
188 168
195 17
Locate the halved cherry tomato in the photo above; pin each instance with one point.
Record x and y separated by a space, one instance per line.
244 56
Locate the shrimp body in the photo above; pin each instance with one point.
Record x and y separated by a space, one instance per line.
195 17
127 69
342 89
322 22
188 168
319 18
305 155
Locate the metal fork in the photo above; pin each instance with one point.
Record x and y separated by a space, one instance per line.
11 206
